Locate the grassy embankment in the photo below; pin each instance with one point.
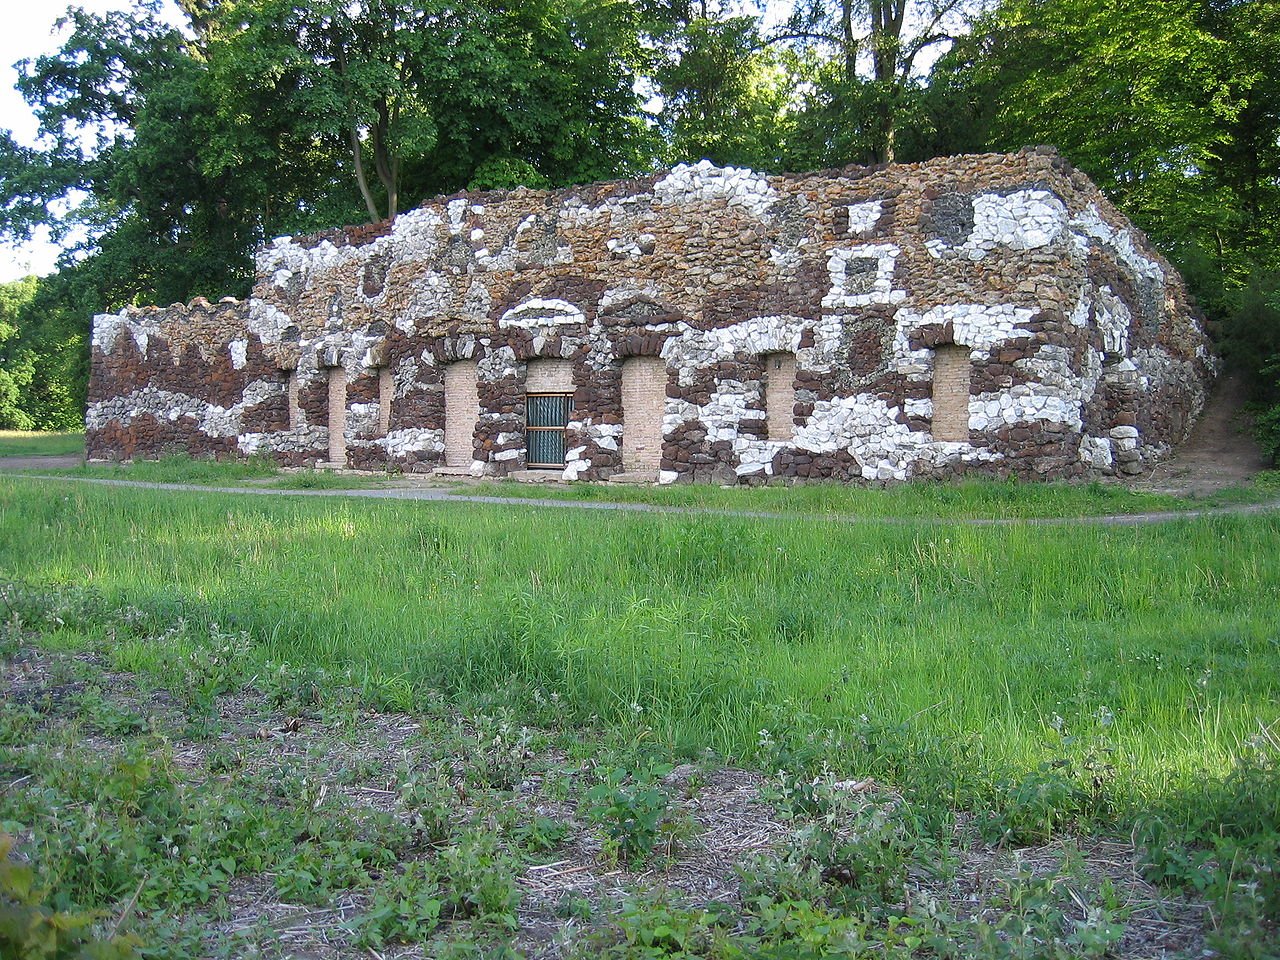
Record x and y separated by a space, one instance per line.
27 443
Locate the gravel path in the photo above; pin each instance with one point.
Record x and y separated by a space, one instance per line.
446 495
68 462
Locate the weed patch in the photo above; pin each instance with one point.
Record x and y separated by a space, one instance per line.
474 731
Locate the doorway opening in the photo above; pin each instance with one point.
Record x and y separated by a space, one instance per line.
548 409
461 410
337 417
644 399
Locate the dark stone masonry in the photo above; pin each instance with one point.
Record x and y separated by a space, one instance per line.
984 314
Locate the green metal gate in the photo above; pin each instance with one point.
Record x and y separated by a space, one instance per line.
546 416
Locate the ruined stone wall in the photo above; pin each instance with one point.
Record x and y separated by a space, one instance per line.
1085 356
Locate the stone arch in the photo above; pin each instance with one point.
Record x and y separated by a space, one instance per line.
451 349
639 309
541 312
553 346
644 344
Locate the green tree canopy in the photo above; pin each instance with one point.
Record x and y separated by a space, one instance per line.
173 152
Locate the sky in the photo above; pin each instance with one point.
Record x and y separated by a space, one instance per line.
29 32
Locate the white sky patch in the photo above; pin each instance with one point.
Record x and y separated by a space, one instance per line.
28 33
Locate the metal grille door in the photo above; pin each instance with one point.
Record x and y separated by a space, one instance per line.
546 415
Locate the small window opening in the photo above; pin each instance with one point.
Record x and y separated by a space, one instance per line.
291 398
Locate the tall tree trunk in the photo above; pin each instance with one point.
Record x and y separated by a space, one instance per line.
387 168
353 131
361 179
887 17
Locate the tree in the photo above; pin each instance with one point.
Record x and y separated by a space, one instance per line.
868 82
176 153
15 365
124 110
1132 93
725 93
424 94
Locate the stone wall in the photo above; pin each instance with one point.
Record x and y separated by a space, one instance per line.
1084 354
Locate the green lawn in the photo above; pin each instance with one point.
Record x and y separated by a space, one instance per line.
968 498
995 648
512 679
27 443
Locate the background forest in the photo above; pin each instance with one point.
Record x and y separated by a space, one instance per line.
177 151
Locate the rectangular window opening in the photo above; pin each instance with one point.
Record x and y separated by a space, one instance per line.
546 417
291 399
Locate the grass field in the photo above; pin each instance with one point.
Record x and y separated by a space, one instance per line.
1047 679
979 499
962 499
25 443
973 637
181 468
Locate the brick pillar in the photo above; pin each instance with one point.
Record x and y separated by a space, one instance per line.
951 371
386 390
295 409
644 398
780 394
337 416
461 410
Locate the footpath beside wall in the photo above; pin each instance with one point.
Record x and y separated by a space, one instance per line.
990 314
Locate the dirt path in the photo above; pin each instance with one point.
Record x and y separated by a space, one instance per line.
1220 452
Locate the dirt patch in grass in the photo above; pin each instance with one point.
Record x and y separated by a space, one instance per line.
519 850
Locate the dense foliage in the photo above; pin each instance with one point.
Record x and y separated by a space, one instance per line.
168 153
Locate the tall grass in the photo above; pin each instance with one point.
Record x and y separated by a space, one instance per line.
180 468
922 499
995 647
